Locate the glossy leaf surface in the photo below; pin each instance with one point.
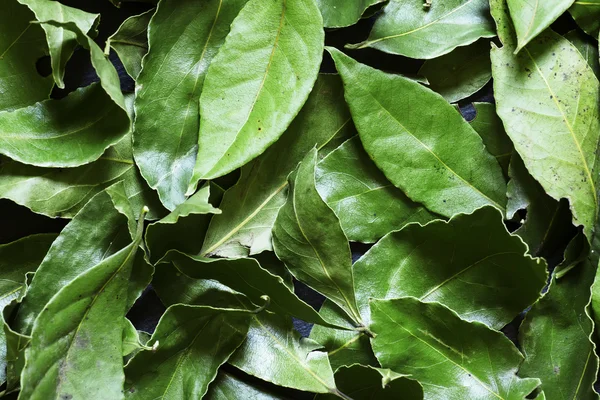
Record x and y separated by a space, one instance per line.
339 14
461 73
228 387
415 148
489 126
250 207
251 97
183 38
587 15
193 343
130 42
450 350
412 30
308 238
562 93
366 203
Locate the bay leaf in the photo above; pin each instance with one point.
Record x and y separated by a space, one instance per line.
587 13
489 126
556 337
366 383
411 30
182 229
22 44
460 73
61 42
294 362
587 47
341 14
366 203
193 342
183 38
470 254
75 352
449 349
251 97
562 93
250 207
308 238
417 150
228 386
531 18
130 42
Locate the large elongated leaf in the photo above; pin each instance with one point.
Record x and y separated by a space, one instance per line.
366 203
561 98
250 207
461 73
366 383
98 231
248 277
530 18
183 38
21 45
63 192
409 29
293 361
449 349
130 42
73 337
308 238
417 150
193 342
587 15
250 97
338 14
471 254
61 41
556 338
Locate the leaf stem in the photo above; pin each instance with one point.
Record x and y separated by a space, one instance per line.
339 394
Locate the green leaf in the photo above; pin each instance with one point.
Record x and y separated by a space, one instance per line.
530 18
228 387
556 338
130 42
251 97
293 361
63 192
366 203
308 238
587 15
183 38
183 227
248 277
473 255
73 337
411 30
587 47
338 14
414 149
21 45
489 126
450 350
132 342
61 42
367 383
96 233
192 343
545 228
250 207
461 73
561 97
16 344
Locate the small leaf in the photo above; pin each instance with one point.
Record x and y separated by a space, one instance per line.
251 97
414 149
409 29
250 207
192 343
449 349
461 73
183 38
130 42
308 238
366 203
340 14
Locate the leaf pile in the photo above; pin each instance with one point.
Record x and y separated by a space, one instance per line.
229 172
